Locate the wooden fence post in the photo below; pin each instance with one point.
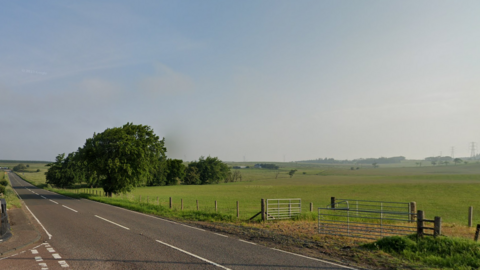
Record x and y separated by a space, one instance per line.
413 210
181 204
197 205
216 206
476 233
437 226
170 203
262 208
420 218
238 210
470 216
311 207
332 202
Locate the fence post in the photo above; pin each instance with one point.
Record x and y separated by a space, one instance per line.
238 210
420 217
181 204
197 205
470 216
476 233
311 207
216 206
437 226
413 210
332 202
170 203
262 209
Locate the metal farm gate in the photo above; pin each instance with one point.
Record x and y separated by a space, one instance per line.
283 208
366 219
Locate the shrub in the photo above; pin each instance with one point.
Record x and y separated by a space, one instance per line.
2 189
38 170
4 182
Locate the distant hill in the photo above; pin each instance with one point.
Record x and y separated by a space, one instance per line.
23 161
381 160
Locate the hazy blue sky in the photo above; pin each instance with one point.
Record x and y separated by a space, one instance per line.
262 79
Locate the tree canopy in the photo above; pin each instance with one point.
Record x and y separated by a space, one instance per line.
209 170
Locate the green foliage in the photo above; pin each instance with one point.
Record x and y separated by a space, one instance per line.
267 166
2 189
192 176
234 177
175 171
123 157
4 182
38 170
444 252
65 172
20 167
210 170
291 173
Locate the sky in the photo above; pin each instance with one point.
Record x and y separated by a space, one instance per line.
253 80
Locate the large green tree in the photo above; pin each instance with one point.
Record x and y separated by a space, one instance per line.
124 157
175 171
210 170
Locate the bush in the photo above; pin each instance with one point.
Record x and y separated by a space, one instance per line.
2 189
4 182
38 170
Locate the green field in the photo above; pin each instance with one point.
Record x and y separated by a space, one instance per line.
445 191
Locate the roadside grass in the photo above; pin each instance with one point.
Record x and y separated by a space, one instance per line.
10 196
442 252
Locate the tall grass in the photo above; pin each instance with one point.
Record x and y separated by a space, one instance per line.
443 252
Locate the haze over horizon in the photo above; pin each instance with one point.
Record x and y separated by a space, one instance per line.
264 80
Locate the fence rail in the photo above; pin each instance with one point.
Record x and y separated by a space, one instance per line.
365 219
283 208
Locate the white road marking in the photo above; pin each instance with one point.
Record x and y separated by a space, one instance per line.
34 251
56 256
43 264
42 196
49 235
70 209
63 263
315 259
193 255
112 222
38 259
193 227
54 201
51 250
247 242
220 234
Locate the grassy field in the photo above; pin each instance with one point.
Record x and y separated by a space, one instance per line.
445 191
10 195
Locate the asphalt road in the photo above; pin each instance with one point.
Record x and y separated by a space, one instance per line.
82 234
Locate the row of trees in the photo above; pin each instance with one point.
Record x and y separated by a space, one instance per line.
122 158
381 160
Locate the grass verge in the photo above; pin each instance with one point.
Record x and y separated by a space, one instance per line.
441 252
11 197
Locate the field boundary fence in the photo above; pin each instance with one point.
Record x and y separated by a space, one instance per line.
366 219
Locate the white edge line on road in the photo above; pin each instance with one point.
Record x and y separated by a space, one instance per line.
42 196
193 255
247 242
54 201
220 234
70 208
49 235
112 222
193 227
315 259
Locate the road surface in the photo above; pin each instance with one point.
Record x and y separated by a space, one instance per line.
83 234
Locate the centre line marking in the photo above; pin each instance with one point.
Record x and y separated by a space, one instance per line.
54 201
70 208
112 222
193 255
42 196
220 234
